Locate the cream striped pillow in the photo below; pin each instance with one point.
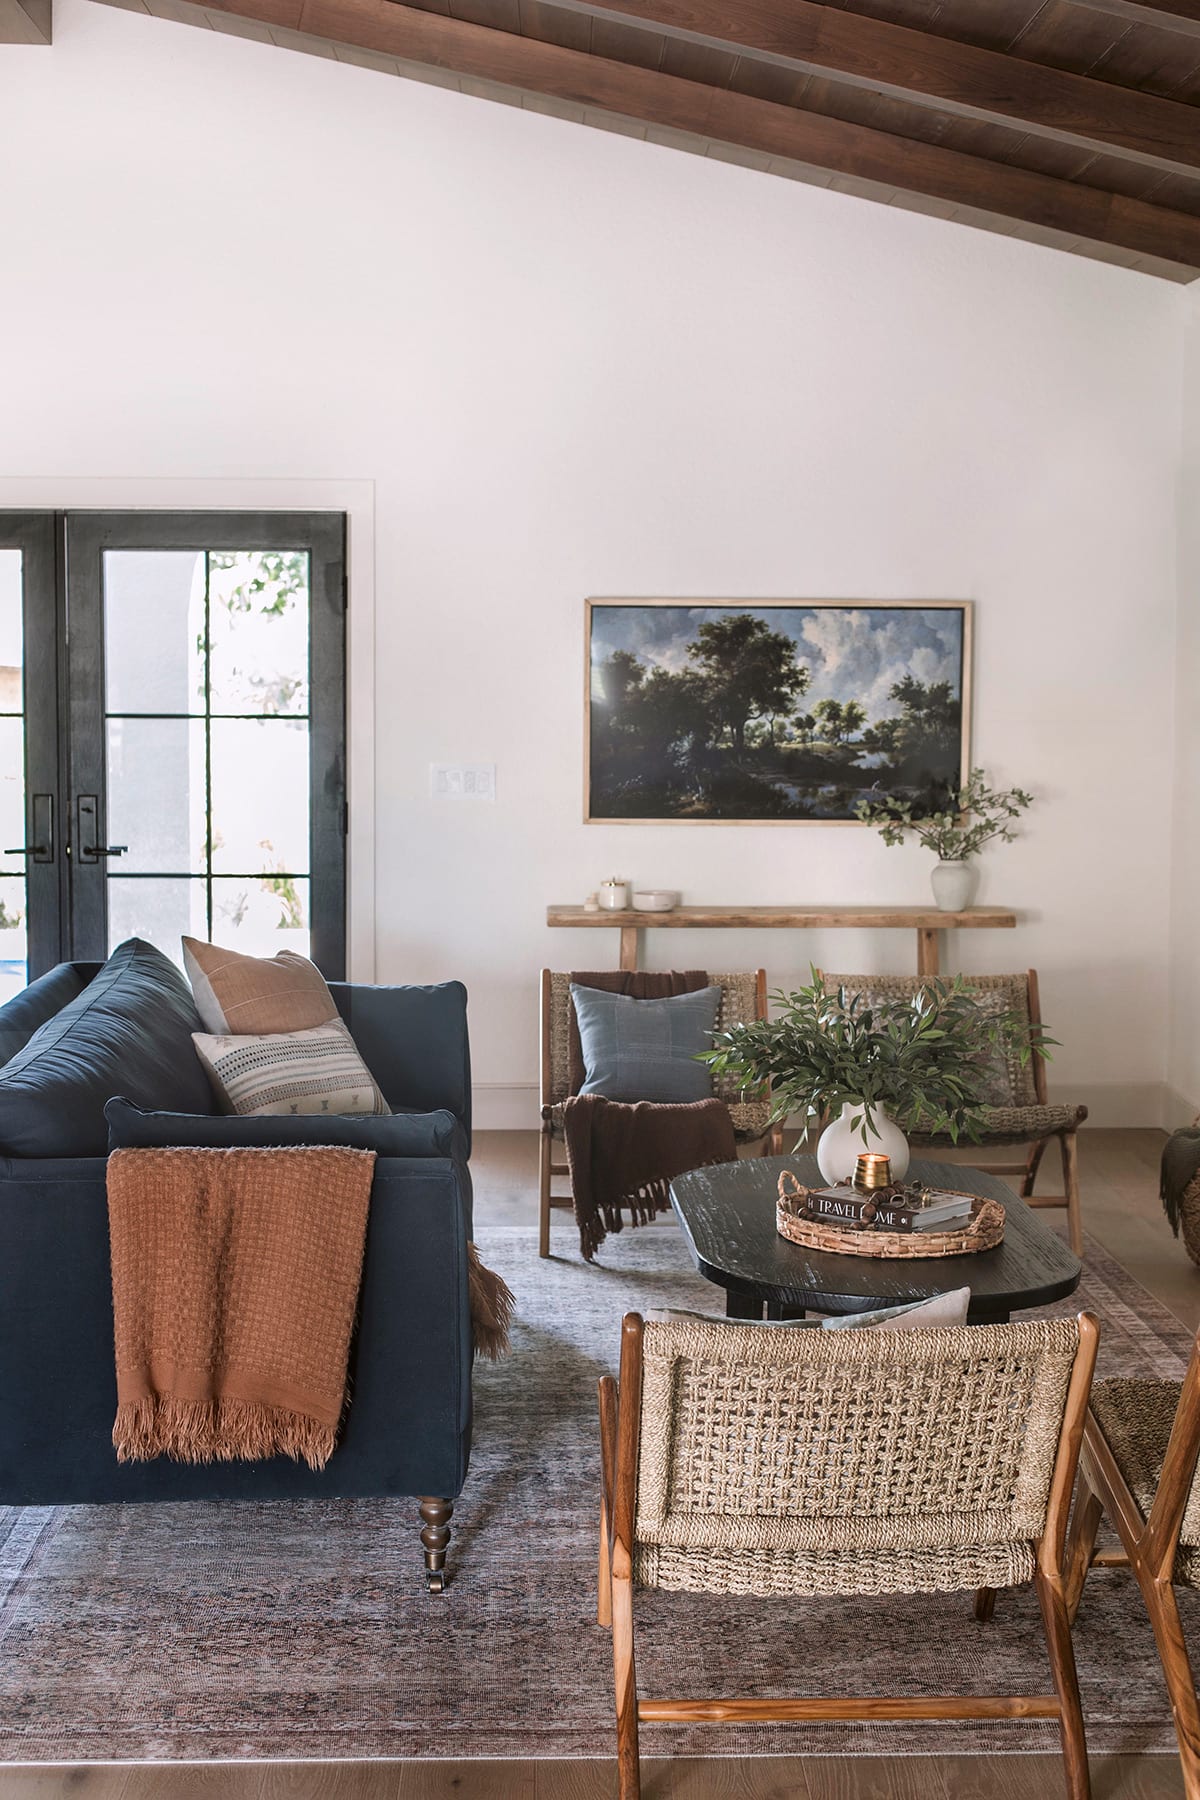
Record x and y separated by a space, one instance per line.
303 1072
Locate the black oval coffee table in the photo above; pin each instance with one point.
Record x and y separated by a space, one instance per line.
728 1217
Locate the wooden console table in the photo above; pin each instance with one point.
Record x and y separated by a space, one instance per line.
926 921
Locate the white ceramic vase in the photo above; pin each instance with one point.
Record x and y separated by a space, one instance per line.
839 1148
953 885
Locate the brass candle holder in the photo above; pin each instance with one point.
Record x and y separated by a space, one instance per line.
871 1171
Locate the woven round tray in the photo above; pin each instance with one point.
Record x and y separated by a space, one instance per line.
983 1231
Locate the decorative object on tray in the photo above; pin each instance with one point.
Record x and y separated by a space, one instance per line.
955 825
655 899
885 1222
924 1058
764 710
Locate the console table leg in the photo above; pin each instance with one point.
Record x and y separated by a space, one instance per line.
927 951
629 947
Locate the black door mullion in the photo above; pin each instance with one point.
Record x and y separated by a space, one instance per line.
36 536
327 744
85 803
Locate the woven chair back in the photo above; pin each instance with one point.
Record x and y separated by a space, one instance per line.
738 1006
1007 1082
842 1448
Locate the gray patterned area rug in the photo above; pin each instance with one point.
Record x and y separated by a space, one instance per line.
299 1630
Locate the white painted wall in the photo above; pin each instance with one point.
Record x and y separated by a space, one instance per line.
566 363
1183 1071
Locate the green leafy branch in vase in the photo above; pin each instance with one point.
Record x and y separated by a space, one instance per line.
970 816
927 1059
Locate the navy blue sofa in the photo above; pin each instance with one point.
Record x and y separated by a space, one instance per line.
408 1429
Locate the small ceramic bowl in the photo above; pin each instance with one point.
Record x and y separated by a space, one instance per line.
655 899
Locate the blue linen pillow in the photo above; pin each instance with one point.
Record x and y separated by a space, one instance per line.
646 1049
437 1133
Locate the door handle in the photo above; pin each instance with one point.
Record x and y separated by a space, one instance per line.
87 811
43 830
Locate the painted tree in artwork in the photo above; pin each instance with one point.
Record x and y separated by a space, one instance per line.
749 672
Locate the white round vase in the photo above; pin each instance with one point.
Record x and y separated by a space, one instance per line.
953 885
839 1148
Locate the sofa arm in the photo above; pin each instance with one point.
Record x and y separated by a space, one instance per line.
414 1041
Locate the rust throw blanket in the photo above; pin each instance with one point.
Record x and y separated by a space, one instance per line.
628 1155
235 1284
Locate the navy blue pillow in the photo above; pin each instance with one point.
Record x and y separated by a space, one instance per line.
128 1032
394 1134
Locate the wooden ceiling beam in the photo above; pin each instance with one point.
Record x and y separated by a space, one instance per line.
942 72
25 22
1182 16
727 117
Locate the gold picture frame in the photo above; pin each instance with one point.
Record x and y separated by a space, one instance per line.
797 765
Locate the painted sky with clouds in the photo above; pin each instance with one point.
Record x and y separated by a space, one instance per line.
852 652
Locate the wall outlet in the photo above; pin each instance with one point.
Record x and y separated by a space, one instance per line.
462 781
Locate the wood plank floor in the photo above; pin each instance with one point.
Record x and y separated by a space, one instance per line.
1121 1208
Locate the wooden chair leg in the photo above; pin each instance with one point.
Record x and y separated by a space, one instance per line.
435 1536
1085 1523
1177 1671
629 1782
985 1604
544 1180
1061 1651
1069 1144
604 1575
1032 1164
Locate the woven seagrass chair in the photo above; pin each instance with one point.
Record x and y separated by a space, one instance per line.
743 998
1018 1110
1141 1443
741 1460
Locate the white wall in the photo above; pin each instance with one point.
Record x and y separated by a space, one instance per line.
566 363
1183 1071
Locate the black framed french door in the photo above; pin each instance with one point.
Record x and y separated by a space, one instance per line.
198 661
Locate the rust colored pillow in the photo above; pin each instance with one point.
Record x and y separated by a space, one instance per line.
254 996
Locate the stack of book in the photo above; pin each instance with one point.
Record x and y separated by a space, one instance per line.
891 1209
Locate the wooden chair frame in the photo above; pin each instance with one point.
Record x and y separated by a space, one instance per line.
1068 1143
1149 1546
548 1168
620 1430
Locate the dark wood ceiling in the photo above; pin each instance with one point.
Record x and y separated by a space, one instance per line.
1073 122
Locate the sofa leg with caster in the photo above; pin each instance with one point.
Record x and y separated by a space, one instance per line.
435 1535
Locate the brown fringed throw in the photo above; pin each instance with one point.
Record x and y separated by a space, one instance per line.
628 1155
493 1307
235 1285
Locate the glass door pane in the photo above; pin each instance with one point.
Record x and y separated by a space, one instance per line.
198 744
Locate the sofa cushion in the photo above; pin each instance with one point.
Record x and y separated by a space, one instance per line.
438 1133
128 1032
250 995
34 1005
290 1072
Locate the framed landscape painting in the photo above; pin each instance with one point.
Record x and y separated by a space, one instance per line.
775 712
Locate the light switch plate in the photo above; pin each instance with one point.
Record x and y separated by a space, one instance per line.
462 781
